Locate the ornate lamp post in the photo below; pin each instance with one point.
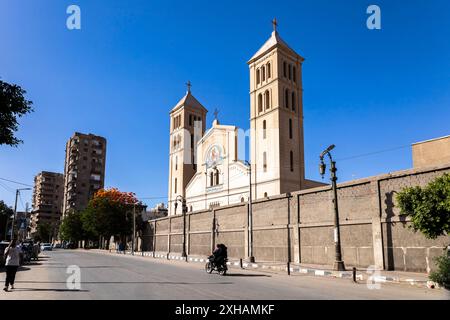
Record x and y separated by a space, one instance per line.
338 263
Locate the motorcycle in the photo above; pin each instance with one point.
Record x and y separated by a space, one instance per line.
212 266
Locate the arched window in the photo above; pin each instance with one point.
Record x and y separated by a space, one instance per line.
267 99
264 129
293 101
258 76
269 72
217 177
290 128
260 102
263 73
242 199
265 161
290 71
291 156
294 74
211 179
191 209
265 194
284 69
286 98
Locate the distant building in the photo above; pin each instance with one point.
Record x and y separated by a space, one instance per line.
432 152
84 170
158 211
47 199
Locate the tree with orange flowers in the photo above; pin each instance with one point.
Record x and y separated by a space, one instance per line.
110 213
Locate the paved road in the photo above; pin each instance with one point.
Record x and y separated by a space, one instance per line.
111 276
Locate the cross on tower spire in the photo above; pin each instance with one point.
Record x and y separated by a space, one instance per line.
188 85
216 112
274 24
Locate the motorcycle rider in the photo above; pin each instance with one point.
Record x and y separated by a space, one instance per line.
220 254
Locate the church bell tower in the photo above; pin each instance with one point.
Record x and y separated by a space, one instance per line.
187 126
276 119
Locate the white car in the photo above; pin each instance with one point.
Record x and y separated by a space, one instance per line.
46 247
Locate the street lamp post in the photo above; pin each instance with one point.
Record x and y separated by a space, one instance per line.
15 211
338 263
251 258
134 229
184 211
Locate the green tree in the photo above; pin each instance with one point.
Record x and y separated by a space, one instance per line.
428 207
44 232
5 213
71 228
13 105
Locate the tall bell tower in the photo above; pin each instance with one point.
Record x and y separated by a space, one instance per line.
187 126
276 118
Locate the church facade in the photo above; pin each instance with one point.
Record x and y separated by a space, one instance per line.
204 167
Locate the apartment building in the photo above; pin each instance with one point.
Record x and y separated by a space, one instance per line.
84 170
47 200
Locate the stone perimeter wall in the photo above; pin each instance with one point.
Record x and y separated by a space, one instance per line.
298 227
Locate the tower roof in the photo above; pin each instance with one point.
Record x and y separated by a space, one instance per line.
189 101
274 41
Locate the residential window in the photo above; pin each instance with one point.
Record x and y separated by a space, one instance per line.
291 156
293 101
290 128
286 98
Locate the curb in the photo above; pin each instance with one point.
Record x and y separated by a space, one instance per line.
369 277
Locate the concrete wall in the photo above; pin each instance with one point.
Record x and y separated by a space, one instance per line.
298 227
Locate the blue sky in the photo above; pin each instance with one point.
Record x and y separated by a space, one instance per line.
119 76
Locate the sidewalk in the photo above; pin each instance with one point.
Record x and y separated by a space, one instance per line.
362 274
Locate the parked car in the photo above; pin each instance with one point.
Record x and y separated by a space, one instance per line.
46 247
57 245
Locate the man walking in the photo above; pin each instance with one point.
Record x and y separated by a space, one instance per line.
12 254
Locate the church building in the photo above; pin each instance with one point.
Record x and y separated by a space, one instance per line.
204 167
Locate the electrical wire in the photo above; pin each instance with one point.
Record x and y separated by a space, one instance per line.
12 181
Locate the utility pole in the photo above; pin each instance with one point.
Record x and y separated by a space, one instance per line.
15 211
14 215
251 258
134 229
183 211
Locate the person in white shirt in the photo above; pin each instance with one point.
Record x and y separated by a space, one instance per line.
12 254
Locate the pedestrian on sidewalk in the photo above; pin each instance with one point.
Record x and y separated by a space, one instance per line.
12 254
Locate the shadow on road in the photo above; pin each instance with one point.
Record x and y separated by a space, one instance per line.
128 282
48 290
246 275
